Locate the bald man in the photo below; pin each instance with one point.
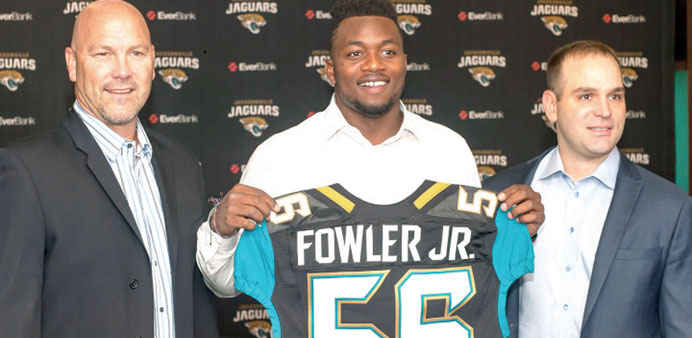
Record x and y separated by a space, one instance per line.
98 217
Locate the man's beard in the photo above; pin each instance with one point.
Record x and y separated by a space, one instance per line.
372 110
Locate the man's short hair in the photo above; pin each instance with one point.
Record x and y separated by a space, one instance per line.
574 49
344 9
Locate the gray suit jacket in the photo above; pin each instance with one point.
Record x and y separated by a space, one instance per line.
72 263
641 284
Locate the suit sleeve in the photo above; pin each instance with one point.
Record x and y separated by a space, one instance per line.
676 290
22 238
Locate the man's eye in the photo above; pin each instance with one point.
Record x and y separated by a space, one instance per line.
354 53
585 97
388 52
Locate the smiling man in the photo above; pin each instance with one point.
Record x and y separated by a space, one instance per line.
365 140
614 258
96 224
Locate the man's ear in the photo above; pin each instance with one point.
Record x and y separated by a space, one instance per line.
153 57
550 105
329 67
71 63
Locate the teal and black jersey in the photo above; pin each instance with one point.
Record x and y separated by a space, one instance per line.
437 264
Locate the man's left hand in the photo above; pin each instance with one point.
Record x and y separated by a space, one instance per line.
527 206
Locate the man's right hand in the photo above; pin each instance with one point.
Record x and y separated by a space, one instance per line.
242 207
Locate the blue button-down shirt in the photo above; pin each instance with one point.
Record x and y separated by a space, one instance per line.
131 164
553 298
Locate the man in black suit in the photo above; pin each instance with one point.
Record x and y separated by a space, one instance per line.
614 256
98 217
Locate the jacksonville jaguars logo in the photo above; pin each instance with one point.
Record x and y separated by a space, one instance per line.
323 75
252 21
255 125
628 77
11 79
173 76
555 24
482 74
259 328
485 172
408 23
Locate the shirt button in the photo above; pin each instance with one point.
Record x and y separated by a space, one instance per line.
568 268
156 263
576 194
161 309
134 284
129 145
565 307
571 230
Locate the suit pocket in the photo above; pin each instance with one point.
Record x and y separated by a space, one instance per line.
636 254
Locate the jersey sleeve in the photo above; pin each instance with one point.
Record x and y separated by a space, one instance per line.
512 258
254 270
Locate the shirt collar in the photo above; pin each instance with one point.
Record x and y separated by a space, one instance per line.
109 141
606 172
337 123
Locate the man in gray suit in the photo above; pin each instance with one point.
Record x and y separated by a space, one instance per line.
98 216
614 256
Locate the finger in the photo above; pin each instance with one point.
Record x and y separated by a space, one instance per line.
533 228
502 195
247 193
521 209
528 218
245 223
518 197
244 212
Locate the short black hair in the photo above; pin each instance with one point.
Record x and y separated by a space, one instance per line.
344 9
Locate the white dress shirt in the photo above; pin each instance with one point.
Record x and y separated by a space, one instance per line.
552 299
131 165
325 149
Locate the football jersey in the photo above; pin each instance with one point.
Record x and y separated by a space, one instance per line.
437 264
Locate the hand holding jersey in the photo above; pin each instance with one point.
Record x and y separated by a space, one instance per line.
438 263
242 207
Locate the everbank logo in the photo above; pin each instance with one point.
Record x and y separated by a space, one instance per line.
171 16
173 118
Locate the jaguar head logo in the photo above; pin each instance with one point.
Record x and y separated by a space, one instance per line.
11 79
555 24
485 172
323 75
482 74
254 124
408 23
173 76
628 77
252 21
259 328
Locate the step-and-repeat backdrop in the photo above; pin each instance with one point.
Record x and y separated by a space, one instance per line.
231 73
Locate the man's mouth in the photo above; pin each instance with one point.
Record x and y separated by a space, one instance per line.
119 91
372 83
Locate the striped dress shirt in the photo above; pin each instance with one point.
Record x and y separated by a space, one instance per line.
131 164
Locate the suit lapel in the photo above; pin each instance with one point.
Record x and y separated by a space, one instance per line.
98 165
627 188
165 180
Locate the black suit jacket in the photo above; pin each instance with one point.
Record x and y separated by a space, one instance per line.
641 284
72 263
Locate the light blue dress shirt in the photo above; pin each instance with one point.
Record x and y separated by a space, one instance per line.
553 298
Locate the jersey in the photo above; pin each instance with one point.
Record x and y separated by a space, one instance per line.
437 264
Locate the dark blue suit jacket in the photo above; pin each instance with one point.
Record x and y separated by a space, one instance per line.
641 285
